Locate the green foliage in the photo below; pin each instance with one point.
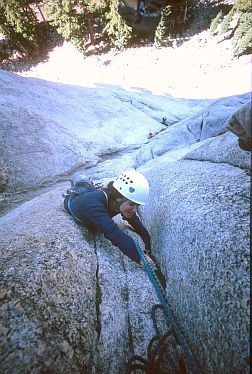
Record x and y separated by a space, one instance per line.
215 22
241 36
67 16
162 28
242 40
18 23
226 22
117 29
243 6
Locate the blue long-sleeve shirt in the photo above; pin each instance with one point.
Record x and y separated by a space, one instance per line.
91 209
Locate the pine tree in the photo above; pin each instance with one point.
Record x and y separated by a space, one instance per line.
72 18
242 40
162 27
243 6
64 17
215 22
18 23
226 22
117 29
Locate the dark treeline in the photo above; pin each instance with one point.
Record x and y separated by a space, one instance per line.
28 25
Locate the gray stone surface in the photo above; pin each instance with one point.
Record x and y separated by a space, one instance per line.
198 217
48 291
208 122
222 149
212 121
127 299
48 130
69 302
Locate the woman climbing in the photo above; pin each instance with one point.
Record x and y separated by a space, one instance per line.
96 208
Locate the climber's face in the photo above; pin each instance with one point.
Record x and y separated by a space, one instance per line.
128 208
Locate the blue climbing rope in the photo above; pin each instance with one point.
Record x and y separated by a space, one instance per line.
150 267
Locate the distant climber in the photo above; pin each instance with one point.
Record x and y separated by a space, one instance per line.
164 121
95 209
240 125
151 134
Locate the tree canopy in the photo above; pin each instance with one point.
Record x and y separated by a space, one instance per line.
75 20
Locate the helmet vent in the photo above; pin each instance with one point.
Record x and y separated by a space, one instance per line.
134 186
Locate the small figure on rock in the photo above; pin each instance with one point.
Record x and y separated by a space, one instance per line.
151 134
95 209
164 121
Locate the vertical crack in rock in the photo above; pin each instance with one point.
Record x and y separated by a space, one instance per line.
191 132
130 335
98 297
126 299
201 128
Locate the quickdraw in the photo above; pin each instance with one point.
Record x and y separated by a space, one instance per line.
150 269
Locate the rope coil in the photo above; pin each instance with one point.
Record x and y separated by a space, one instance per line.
152 364
164 355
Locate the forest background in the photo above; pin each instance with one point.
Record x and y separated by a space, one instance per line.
31 28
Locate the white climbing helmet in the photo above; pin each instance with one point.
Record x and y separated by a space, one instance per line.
133 185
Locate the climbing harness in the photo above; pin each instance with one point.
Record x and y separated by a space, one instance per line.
164 355
150 269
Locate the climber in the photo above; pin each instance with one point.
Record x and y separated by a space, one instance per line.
240 125
95 210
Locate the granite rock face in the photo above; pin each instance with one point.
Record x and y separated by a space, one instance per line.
208 122
73 302
70 302
49 130
199 224
48 282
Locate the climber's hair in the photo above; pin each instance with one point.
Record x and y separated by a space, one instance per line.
113 193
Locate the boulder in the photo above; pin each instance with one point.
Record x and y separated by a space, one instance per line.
48 297
198 217
209 122
55 129
125 308
221 149
240 125
70 302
